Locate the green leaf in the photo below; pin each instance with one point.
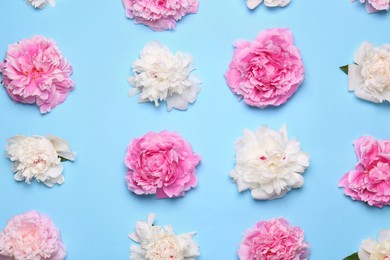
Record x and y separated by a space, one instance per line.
352 257
63 159
344 69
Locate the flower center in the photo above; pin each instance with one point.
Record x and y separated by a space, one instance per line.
273 160
34 72
166 248
161 2
39 161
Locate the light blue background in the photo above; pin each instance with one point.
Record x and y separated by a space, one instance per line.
94 209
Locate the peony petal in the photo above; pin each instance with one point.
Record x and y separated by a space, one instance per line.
355 79
283 131
274 3
191 248
260 194
178 102
370 9
361 52
62 147
384 235
252 4
363 94
133 92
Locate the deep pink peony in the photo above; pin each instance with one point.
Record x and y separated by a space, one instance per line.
370 180
267 71
274 239
159 15
34 71
31 236
162 164
373 6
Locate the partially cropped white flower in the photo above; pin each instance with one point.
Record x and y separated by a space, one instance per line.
369 77
38 157
41 3
252 4
268 163
160 243
161 76
371 249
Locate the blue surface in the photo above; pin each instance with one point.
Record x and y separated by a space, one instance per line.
94 209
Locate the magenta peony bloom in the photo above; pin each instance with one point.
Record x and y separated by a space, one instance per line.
267 71
274 239
370 180
373 6
31 236
34 71
162 164
159 15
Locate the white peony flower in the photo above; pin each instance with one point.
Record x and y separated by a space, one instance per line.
369 77
161 76
252 4
371 249
268 163
38 157
158 243
40 3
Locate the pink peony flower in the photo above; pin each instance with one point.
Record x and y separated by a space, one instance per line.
162 164
274 239
31 236
370 180
159 15
34 71
373 6
267 71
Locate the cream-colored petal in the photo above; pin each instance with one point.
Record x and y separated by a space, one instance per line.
62 147
363 94
361 52
355 79
384 235
252 4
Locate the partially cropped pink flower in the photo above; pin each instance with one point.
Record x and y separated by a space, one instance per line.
267 71
373 6
31 236
34 71
274 239
162 164
370 180
159 15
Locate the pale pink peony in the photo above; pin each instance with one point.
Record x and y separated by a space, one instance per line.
159 15
34 71
274 239
373 6
31 236
267 71
370 180
162 164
